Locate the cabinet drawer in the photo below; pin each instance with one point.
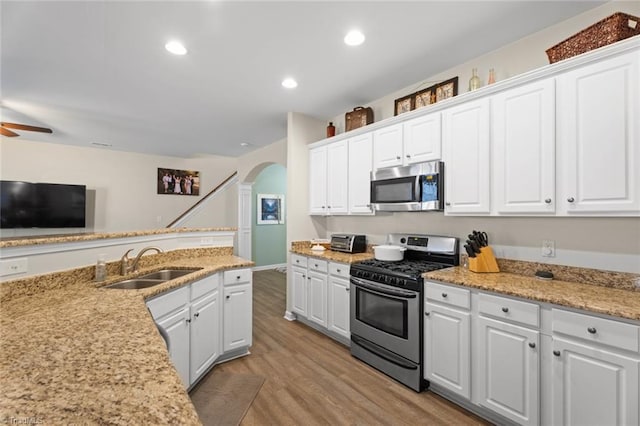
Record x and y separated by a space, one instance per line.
449 295
204 286
510 309
297 260
339 269
318 265
237 276
594 329
169 302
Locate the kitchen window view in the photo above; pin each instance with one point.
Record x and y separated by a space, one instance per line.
213 218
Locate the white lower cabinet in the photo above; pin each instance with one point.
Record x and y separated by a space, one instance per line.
509 370
192 317
238 309
596 370
320 294
530 363
338 320
447 348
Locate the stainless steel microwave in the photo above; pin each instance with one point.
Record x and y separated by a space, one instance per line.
418 187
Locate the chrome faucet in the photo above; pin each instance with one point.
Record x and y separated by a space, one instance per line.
128 266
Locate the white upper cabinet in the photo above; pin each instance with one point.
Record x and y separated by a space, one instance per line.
465 140
422 139
360 163
599 138
337 175
328 173
318 180
414 141
387 146
523 149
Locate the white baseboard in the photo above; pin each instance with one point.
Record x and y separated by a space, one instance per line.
289 316
269 267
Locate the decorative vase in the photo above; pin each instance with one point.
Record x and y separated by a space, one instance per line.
331 130
474 81
492 76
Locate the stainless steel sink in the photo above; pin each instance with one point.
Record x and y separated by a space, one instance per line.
168 274
135 284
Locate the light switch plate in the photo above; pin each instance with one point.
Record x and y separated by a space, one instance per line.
13 266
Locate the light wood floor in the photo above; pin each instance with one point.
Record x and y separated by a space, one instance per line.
313 380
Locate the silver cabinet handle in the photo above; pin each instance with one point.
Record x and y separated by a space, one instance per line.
532 345
323 207
426 314
337 270
238 277
548 200
297 261
228 297
444 294
505 309
447 204
556 353
188 320
346 289
197 314
397 157
316 264
308 278
592 330
570 199
408 156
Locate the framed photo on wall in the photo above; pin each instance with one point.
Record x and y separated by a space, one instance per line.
178 182
270 209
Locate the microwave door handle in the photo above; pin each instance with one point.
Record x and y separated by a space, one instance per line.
417 190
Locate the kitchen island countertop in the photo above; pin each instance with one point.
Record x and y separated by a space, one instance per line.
80 353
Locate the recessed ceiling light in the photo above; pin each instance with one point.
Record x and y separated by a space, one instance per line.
176 48
354 38
101 144
289 83
244 144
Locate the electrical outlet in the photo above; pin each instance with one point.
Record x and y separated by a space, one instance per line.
206 241
13 266
548 248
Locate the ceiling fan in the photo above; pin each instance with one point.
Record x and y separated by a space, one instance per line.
4 129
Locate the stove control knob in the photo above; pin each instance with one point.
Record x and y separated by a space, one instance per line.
403 240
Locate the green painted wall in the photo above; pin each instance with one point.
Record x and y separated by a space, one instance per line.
269 242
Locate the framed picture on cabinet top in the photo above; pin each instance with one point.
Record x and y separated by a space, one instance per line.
447 89
424 97
404 104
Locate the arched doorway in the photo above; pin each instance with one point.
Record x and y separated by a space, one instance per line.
263 241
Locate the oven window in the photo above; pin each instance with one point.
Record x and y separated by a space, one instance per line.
399 190
386 314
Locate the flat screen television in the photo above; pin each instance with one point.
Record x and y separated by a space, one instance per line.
42 205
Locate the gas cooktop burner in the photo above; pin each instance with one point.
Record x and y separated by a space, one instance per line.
411 268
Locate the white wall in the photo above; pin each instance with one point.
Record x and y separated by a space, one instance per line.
121 184
516 58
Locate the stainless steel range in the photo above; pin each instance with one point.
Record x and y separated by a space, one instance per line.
386 305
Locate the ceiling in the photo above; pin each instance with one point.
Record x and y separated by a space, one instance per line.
97 71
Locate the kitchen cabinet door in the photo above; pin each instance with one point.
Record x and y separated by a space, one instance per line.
466 147
318 181
299 290
317 297
205 334
593 386
447 348
523 149
338 320
599 138
509 373
422 139
238 308
176 325
337 178
360 164
387 146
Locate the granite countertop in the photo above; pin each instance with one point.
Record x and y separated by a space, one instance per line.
80 353
333 256
594 298
58 239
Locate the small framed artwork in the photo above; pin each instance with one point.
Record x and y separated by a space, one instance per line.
270 209
404 104
178 182
424 97
447 89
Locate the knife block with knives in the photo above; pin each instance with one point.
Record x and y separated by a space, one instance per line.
481 257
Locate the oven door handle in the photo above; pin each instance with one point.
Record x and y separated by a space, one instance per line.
384 291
